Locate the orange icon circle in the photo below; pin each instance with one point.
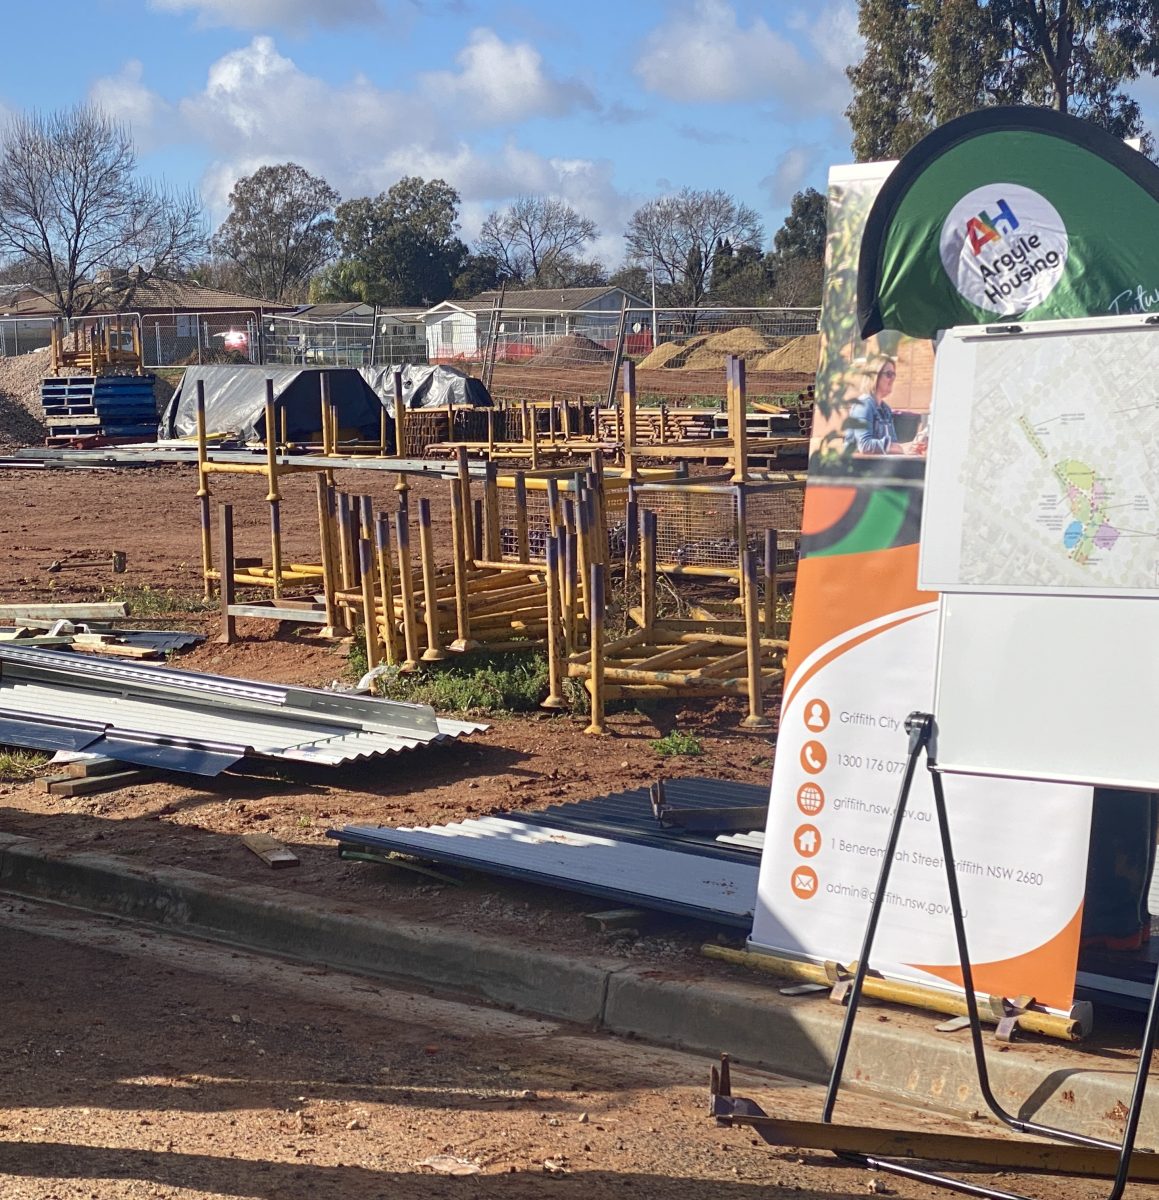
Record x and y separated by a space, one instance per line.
813 757
807 840
804 883
816 715
810 799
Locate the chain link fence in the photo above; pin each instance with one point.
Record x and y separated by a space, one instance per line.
378 341
21 335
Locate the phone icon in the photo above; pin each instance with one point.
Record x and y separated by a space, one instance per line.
813 757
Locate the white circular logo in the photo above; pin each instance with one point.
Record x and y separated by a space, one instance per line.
1004 248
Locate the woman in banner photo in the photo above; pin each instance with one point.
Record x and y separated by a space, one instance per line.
869 426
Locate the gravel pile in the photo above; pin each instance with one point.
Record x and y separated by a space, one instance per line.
21 417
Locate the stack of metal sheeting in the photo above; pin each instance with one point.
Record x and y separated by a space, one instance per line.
611 847
186 721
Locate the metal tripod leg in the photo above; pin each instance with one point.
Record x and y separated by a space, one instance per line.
919 736
920 728
1150 1030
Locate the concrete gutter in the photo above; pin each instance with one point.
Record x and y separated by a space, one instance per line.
894 1053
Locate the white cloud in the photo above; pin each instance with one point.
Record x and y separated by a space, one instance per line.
702 52
125 97
273 14
503 81
794 170
257 104
258 107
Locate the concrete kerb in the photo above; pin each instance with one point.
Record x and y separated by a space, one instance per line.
750 1020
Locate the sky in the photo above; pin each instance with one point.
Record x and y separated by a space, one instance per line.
607 103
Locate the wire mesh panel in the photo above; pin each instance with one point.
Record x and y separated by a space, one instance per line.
699 526
19 335
538 519
188 339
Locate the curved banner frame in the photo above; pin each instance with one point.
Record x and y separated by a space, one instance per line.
1010 214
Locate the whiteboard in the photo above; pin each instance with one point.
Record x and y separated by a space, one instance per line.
1041 532
1043 470
1059 688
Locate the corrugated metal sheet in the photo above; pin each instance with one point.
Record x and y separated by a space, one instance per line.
645 876
195 722
628 817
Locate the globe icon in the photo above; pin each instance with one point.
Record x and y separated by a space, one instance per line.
810 799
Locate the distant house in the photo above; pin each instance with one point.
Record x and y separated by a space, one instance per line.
529 321
181 321
345 333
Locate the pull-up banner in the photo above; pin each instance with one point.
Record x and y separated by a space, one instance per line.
1010 213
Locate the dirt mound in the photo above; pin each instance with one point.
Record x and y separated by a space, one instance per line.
743 340
571 348
661 356
21 417
801 354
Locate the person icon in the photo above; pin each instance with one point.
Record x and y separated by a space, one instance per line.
817 715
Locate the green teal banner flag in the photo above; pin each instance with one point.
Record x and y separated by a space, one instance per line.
1010 213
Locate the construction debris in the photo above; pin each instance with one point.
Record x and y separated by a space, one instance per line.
201 724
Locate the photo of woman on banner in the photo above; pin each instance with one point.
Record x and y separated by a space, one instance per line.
870 426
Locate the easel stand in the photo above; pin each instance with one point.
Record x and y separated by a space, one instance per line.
920 727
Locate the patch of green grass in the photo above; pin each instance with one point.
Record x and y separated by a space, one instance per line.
479 683
17 765
144 600
677 744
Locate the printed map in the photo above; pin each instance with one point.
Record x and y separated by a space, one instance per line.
1061 478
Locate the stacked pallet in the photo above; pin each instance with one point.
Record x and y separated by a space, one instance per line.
101 407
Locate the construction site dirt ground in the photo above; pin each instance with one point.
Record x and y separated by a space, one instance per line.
521 762
207 1072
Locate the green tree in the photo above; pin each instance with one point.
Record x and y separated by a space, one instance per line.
928 61
479 273
279 232
677 236
75 216
401 248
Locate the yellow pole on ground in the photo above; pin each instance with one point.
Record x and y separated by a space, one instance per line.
596 667
272 495
493 541
554 632
647 570
325 496
739 421
202 486
434 651
386 587
406 589
461 555
369 609
628 380
756 718
399 414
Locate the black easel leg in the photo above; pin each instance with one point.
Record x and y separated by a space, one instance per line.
919 726
1150 1031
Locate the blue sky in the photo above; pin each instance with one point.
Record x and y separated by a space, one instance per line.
607 104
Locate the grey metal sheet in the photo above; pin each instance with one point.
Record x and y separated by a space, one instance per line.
213 714
193 760
646 876
40 735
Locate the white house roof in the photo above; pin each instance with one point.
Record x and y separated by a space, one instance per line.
537 300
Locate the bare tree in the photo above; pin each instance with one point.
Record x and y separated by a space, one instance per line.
676 237
72 207
536 239
279 232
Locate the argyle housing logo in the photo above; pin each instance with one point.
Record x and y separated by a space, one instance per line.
1004 248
